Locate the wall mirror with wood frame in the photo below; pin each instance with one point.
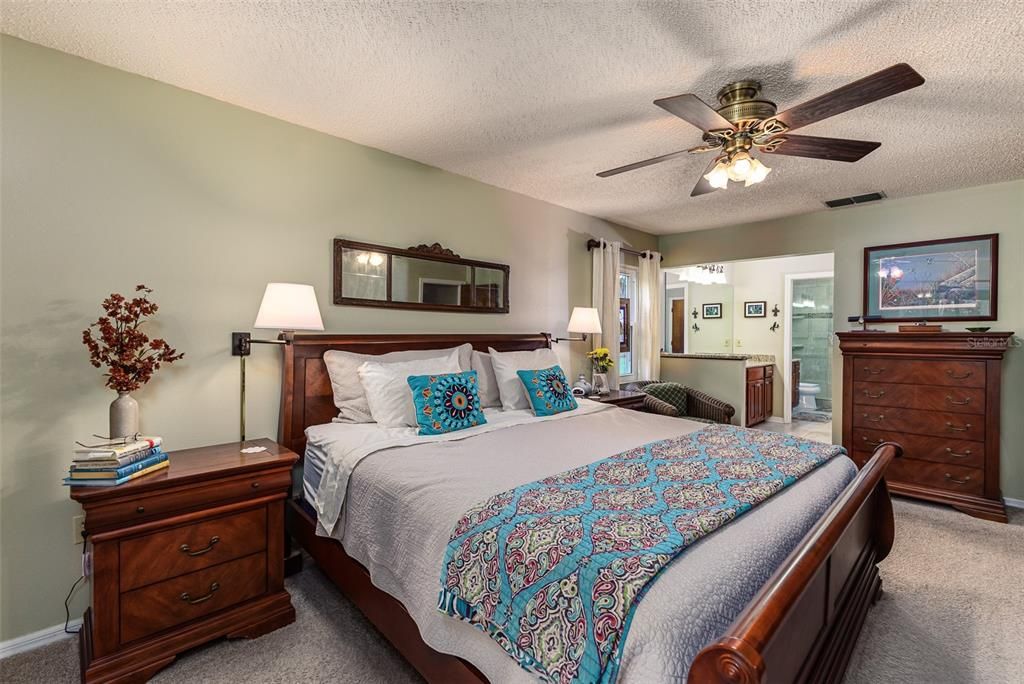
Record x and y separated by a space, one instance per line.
427 277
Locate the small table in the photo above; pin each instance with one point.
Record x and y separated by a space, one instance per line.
186 555
621 398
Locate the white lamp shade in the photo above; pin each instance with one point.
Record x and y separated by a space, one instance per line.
289 306
584 320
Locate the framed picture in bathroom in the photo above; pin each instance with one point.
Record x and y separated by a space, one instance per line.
755 309
952 279
712 310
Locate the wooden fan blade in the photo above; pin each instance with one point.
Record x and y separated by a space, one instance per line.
694 110
879 85
833 149
641 164
703 187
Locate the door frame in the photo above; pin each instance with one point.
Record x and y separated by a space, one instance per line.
787 336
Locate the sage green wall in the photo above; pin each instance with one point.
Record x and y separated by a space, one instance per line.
988 209
111 179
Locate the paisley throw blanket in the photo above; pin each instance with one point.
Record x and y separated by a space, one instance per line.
553 570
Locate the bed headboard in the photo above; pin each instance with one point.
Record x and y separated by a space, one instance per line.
306 395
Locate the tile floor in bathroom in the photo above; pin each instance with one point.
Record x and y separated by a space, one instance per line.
819 432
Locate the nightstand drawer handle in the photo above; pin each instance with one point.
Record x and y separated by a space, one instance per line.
140 509
958 429
869 395
186 549
965 402
966 454
872 371
213 588
874 420
950 373
255 485
953 479
878 443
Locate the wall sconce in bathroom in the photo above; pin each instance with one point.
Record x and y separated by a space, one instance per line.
775 326
696 328
693 314
775 311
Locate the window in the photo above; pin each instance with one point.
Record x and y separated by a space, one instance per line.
627 319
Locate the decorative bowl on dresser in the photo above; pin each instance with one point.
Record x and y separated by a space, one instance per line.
181 557
938 396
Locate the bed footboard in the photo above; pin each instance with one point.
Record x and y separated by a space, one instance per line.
802 625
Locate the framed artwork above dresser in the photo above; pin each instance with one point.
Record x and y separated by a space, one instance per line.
938 396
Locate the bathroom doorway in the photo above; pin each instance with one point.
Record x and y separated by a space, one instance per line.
808 347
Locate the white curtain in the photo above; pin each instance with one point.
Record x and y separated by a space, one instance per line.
647 336
605 299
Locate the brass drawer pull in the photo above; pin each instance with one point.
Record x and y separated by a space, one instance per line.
958 429
186 549
966 454
961 482
874 420
872 371
255 485
213 588
140 509
878 443
965 402
949 372
869 395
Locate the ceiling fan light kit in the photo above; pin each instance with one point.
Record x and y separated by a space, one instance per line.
744 121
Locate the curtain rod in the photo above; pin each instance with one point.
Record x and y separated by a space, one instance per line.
591 244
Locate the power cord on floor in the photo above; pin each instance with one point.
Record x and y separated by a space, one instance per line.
67 609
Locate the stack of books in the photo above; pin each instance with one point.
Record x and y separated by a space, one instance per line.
114 464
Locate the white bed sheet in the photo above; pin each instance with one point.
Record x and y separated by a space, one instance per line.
403 502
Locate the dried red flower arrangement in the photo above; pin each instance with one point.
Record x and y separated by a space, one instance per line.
130 356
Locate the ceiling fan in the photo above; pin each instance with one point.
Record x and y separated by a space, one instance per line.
744 122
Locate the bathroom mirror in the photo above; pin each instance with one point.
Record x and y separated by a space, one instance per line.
426 277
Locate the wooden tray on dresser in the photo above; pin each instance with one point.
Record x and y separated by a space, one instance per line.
938 396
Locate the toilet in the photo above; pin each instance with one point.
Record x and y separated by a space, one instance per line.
808 391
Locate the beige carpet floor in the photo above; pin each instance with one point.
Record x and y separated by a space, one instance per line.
952 612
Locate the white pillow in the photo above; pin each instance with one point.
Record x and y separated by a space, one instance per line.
510 387
343 369
387 389
487 383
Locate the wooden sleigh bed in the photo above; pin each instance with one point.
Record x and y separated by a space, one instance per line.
800 627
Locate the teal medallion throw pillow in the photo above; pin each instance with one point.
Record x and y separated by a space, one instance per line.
548 390
446 403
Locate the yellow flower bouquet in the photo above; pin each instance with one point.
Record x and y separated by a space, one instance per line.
601 358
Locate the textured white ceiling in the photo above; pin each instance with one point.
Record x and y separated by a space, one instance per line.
538 96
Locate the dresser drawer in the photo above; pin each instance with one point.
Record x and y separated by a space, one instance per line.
188 548
954 425
950 478
163 503
935 449
924 397
941 372
176 601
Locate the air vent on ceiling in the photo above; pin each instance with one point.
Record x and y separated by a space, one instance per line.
856 199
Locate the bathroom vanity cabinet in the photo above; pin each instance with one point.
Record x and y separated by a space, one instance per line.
760 393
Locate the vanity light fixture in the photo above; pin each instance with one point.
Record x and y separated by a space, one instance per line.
584 320
286 307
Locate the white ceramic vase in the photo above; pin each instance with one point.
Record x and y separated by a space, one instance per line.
601 383
124 416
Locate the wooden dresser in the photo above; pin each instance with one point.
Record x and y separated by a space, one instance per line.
937 395
183 556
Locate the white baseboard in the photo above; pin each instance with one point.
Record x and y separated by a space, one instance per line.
1014 503
37 639
774 419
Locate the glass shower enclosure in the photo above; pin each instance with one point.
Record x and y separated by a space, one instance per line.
812 328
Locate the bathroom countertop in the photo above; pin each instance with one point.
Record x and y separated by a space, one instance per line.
718 357
756 364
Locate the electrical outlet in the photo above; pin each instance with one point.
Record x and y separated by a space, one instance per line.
77 529
739 342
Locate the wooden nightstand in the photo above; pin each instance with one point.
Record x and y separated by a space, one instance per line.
622 399
191 553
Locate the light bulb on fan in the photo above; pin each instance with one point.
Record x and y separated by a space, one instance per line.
739 166
758 172
718 177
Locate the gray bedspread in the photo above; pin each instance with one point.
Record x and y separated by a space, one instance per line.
403 502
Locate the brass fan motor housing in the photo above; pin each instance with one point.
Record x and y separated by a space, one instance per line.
740 104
